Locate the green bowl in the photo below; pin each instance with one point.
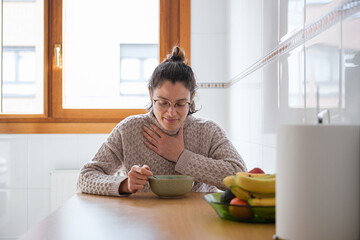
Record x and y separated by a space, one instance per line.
258 214
171 186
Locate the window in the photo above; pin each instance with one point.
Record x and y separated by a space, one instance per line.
74 110
22 57
91 59
137 62
322 64
19 72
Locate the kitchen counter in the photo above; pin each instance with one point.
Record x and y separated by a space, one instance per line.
142 216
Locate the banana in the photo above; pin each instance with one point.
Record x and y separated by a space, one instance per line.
229 181
245 195
263 208
252 174
240 193
262 184
262 195
262 201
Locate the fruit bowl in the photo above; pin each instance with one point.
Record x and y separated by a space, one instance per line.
251 214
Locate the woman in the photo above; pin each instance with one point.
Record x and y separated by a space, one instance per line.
167 140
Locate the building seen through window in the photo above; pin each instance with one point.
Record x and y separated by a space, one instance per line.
137 62
19 72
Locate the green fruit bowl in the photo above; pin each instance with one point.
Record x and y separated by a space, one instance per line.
240 213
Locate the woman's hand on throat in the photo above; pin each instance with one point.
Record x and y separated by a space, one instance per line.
169 147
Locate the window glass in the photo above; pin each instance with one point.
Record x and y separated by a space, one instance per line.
138 61
149 66
105 50
22 63
9 63
130 69
27 65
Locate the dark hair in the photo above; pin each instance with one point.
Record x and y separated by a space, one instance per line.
174 69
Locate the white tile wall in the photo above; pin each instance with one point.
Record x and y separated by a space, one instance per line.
250 152
25 165
239 110
209 57
269 159
283 90
88 146
245 31
270 33
213 105
13 212
209 17
38 205
209 49
49 152
13 161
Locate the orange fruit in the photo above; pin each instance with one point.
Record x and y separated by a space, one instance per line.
241 210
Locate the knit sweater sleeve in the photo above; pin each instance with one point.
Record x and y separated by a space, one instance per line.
222 160
97 176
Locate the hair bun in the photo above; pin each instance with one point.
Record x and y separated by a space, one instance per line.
177 55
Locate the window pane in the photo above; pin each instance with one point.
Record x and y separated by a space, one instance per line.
27 66
97 71
149 66
130 69
134 88
140 61
9 70
23 57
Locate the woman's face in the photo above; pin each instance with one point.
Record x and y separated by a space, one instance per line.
178 97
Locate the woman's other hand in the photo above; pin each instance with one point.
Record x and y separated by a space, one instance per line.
137 178
169 147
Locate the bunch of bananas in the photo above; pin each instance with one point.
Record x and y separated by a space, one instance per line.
257 189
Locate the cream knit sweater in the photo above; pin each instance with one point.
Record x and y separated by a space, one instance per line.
208 156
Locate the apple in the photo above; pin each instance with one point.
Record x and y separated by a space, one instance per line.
241 210
256 170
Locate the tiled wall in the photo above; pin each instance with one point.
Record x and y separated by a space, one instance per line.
209 56
284 90
25 165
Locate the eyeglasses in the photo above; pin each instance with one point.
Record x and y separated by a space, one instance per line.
164 105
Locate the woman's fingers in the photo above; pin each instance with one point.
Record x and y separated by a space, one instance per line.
137 177
144 170
146 167
150 135
152 147
157 130
137 181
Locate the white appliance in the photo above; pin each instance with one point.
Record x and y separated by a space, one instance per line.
317 182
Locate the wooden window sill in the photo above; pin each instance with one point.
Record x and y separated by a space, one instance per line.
55 127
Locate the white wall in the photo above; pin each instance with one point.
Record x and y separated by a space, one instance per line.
209 56
284 90
25 164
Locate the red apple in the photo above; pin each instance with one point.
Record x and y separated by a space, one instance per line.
256 170
242 211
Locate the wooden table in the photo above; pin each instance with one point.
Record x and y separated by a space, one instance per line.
142 216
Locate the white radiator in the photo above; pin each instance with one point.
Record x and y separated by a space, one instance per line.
63 186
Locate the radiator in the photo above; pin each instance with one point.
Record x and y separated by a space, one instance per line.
63 186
